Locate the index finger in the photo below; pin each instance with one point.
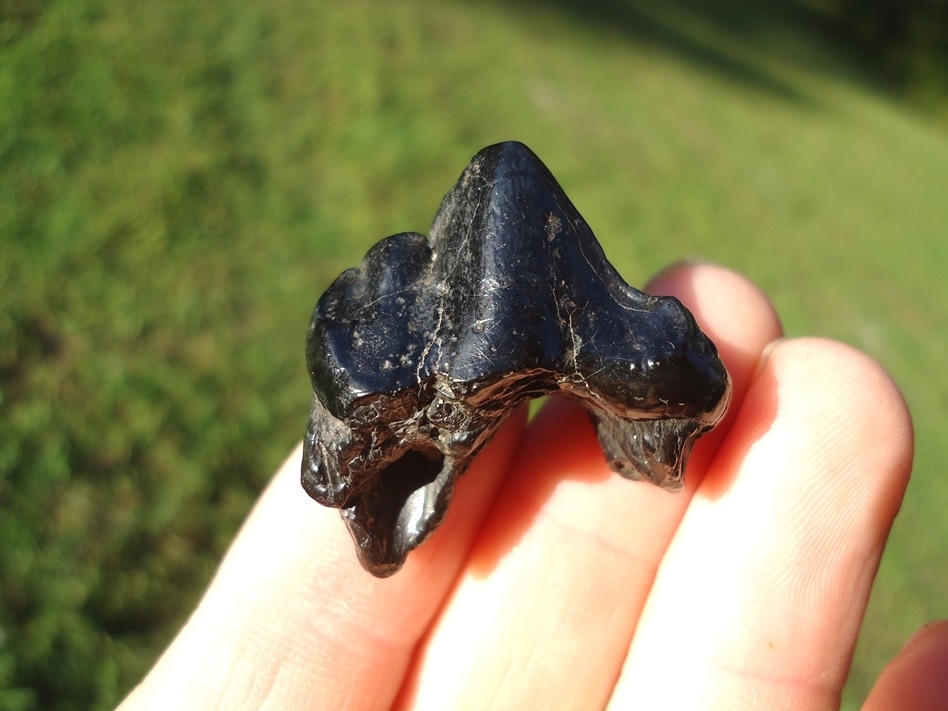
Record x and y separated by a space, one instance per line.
291 616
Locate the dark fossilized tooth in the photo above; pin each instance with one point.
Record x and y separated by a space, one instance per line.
418 355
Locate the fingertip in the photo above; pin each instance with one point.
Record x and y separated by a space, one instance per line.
840 406
916 679
856 399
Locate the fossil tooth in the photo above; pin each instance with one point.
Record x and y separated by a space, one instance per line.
417 356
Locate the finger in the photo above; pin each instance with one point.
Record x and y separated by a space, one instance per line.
762 592
291 617
916 679
543 614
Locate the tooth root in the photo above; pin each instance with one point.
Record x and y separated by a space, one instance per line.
651 450
393 518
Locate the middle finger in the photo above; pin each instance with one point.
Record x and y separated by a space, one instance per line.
566 558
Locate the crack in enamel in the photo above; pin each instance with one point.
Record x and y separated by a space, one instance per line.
417 356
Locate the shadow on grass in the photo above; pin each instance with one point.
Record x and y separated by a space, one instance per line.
730 38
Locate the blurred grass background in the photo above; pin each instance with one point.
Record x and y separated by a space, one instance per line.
180 181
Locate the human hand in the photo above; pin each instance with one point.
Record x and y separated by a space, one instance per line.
554 583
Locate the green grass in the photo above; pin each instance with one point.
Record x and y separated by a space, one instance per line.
180 181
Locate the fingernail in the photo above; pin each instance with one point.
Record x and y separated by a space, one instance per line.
765 356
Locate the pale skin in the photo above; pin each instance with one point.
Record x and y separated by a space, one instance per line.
557 584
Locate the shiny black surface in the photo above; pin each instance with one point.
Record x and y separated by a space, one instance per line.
417 356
